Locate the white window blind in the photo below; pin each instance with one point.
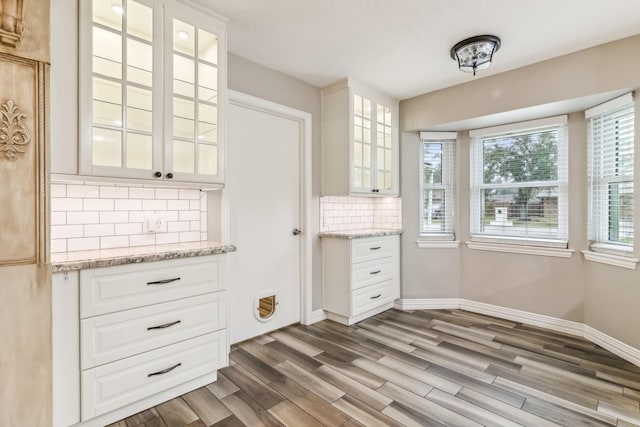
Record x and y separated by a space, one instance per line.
437 189
519 175
611 152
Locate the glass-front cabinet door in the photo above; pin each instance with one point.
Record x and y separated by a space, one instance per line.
151 73
373 148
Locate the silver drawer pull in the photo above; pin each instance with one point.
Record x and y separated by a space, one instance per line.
165 371
163 282
166 325
376 297
375 248
375 272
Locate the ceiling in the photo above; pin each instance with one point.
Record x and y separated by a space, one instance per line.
402 46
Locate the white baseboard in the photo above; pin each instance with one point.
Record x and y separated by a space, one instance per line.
318 316
427 304
541 320
605 341
615 346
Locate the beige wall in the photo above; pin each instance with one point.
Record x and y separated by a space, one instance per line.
602 296
254 79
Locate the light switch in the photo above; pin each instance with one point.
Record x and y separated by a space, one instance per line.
153 223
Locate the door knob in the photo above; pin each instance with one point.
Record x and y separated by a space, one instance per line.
296 231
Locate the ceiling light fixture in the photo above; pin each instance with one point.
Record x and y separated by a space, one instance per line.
475 53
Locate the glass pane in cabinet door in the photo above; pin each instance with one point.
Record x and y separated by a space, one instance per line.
183 118
366 136
379 113
183 76
184 157
366 178
207 159
139 105
357 105
207 123
207 46
107 53
357 133
107 147
366 108
366 155
107 102
183 38
139 151
380 180
357 177
387 115
357 154
139 63
207 83
139 20
387 180
108 13
387 160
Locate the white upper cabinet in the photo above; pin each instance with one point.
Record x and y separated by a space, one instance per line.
360 141
152 90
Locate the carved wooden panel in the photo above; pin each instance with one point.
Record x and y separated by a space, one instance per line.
24 28
22 162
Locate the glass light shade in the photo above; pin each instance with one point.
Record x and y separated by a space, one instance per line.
475 53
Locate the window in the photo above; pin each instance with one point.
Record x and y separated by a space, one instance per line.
519 183
438 191
611 151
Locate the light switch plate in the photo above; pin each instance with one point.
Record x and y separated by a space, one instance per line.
153 223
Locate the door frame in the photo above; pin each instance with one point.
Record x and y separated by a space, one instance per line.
304 120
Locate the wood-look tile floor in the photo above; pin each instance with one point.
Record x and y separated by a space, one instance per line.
421 368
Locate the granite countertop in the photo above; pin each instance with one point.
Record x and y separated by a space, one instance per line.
359 234
69 261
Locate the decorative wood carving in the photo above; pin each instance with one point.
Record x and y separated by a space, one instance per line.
13 132
11 22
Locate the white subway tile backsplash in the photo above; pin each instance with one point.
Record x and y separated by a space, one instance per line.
97 230
98 204
189 236
64 204
178 205
128 229
58 190
351 213
114 217
189 194
100 216
167 238
114 192
83 244
83 191
154 205
114 242
167 193
142 193
66 231
83 217
142 239
176 226
189 215
128 205
58 218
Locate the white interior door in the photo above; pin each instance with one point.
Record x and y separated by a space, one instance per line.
263 194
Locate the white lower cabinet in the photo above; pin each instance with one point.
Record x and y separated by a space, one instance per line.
361 276
144 333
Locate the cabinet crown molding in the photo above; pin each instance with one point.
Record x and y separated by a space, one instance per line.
11 22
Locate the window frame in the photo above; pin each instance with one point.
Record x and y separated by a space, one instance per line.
448 185
597 241
477 137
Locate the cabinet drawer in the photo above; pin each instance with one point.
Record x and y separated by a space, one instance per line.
374 271
110 289
120 383
118 335
372 296
373 248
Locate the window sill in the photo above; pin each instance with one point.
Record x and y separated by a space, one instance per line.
438 244
623 261
520 249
